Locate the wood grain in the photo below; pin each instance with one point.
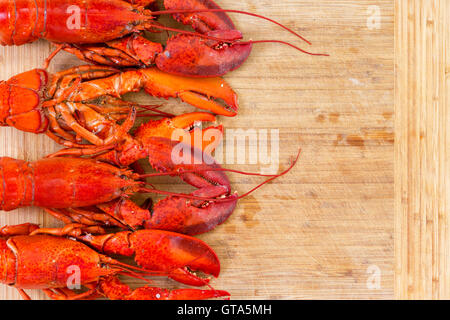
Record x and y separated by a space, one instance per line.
316 232
422 162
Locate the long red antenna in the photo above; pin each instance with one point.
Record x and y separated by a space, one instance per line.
187 196
230 11
282 42
268 180
235 42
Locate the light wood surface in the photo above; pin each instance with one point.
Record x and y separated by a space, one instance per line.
327 229
422 163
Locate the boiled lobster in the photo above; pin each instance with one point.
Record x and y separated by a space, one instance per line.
118 24
38 102
96 193
110 32
48 259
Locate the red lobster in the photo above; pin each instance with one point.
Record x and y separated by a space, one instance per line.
109 32
118 26
89 96
95 193
47 259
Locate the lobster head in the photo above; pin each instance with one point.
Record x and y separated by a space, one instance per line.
20 101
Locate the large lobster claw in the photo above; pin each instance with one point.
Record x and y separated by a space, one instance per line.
183 128
198 57
164 253
114 289
179 215
191 164
212 94
193 56
201 21
185 215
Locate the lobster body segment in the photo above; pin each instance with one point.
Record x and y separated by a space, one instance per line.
89 21
20 101
60 183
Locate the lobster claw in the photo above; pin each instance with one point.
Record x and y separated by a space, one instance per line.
201 171
201 21
198 57
180 215
177 254
164 253
193 56
166 155
181 128
212 94
114 289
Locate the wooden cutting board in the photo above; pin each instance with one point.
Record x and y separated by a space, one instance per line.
325 230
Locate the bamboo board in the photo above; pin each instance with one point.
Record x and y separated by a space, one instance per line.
326 230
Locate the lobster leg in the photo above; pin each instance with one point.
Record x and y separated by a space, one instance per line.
180 128
61 80
117 132
130 51
89 218
126 212
114 289
18 230
66 294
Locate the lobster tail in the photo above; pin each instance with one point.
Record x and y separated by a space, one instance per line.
20 101
16 184
16 19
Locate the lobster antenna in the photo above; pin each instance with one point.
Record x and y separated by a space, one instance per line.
268 180
187 196
123 267
155 109
231 11
234 42
52 55
283 42
173 173
174 194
